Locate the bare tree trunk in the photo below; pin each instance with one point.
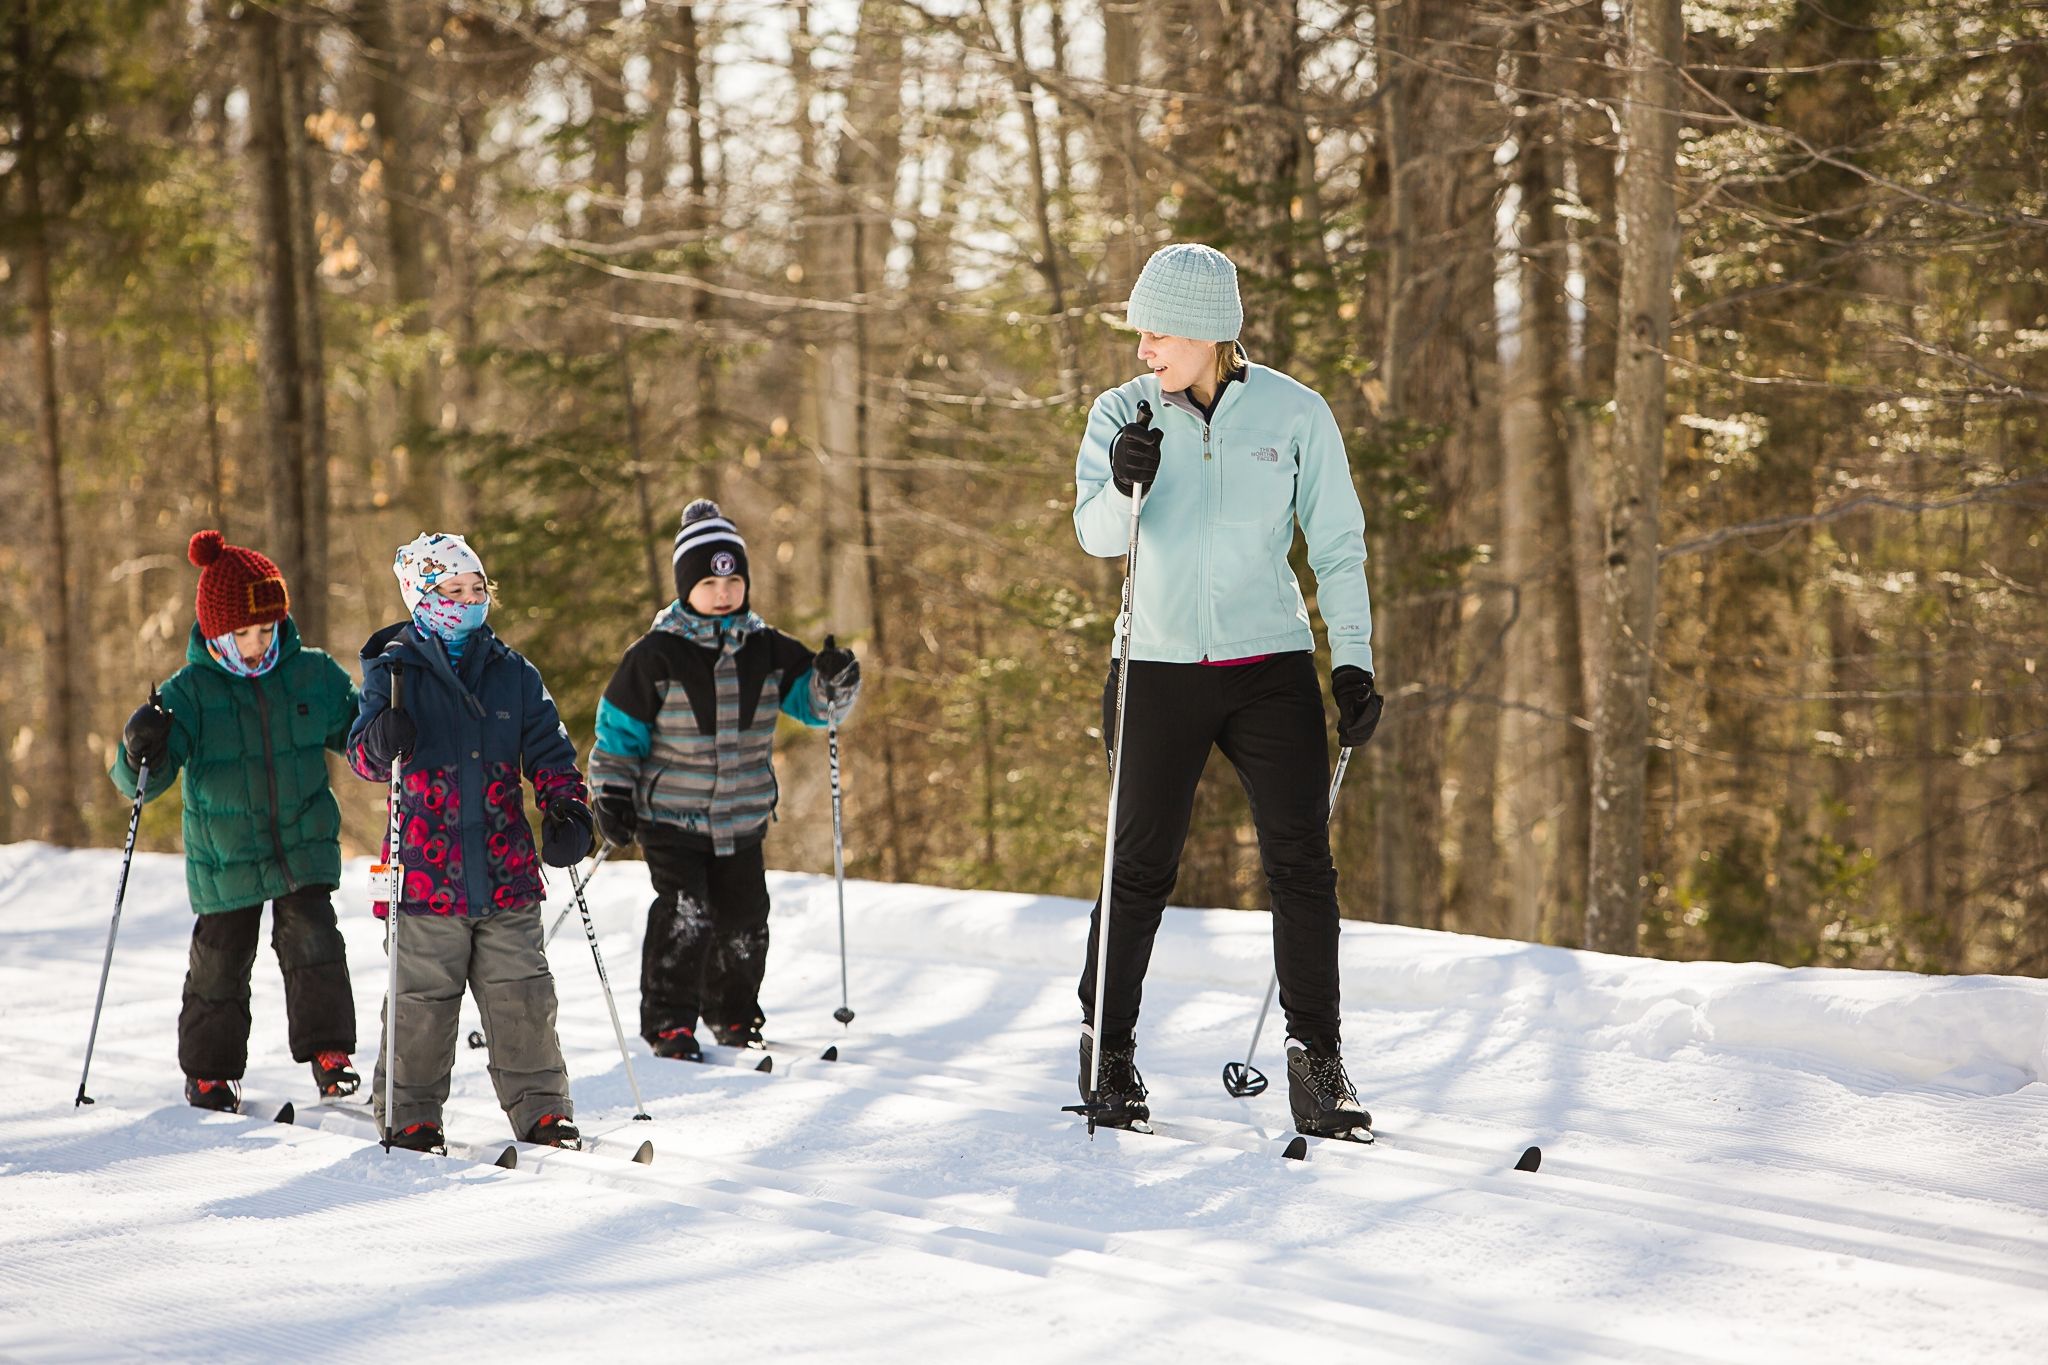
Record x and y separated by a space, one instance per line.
1262 151
464 286
1474 902
697 219
1631 487
216 459
1118 162
1439 137
850 259
284 396
636 451
66 824
812 566
1545 768
1048 261
1585 40
401 143
309 590
870 541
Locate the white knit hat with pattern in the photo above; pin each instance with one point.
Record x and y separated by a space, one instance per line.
428 559
1188 290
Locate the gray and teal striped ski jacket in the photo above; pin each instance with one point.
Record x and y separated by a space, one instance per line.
687 723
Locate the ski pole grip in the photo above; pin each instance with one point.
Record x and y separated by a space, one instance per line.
397 688
1145 411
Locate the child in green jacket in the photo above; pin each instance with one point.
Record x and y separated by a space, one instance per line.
248 721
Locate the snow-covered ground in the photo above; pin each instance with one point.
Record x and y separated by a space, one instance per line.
1741 1163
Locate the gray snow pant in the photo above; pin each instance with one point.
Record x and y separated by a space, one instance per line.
499 958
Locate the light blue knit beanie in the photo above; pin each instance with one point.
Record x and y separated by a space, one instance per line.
1188 290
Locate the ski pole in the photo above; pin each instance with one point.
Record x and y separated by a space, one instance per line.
1242 1080
120 894
394 870
602 854
1093 1109
590 932
844 1014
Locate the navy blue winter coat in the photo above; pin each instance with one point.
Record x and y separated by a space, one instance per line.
464 841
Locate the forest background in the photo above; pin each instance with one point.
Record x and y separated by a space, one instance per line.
1691 360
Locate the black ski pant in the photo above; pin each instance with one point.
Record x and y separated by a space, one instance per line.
1267 718
707 934
319 1008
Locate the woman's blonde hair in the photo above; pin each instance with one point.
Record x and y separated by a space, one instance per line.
1230 361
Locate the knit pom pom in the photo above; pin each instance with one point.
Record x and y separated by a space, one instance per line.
700 509
206 547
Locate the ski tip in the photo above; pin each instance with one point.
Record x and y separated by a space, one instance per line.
830 1054
476 1038
767 1064
287 1114
508 1160
1296 1149
1531 1159
645 1156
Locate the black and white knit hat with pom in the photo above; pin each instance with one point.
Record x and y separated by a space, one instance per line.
708 546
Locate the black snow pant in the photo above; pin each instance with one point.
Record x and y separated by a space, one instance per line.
1267 718
707 934
319 1008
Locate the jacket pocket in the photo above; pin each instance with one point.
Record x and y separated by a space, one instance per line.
1255 472
1247 568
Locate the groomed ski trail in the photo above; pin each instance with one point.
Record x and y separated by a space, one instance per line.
1713 1185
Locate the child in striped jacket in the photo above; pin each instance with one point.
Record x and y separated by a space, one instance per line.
683 765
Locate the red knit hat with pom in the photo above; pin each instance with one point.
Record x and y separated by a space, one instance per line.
237 587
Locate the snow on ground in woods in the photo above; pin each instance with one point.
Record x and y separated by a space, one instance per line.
1741 1163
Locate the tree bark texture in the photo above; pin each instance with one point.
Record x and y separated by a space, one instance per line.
1545 754
1439 129
1630 491
277 255
64 766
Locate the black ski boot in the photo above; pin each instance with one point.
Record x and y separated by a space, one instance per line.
555 1131
1123 1090
1321 1096
223 1096
747 1034
334 1075
679 1044
421 1137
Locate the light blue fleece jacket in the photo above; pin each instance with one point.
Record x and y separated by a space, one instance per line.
1215 529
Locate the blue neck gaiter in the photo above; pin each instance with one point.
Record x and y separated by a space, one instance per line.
229 655
453 622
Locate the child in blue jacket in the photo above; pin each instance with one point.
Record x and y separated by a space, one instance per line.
474 717
683 764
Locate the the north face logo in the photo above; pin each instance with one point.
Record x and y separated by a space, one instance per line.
1268 454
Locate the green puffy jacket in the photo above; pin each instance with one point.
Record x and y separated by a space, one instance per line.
260 817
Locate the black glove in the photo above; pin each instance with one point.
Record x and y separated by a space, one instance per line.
565 831
390 735
617 820
1358 705
147 735
836 668
1134 454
